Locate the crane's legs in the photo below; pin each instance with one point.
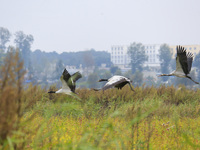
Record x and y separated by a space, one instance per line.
192 79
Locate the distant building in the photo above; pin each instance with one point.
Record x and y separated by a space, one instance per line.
152 51
120 58
195 49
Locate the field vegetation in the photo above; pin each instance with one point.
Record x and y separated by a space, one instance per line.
149 118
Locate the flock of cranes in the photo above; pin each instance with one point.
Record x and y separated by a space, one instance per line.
183 67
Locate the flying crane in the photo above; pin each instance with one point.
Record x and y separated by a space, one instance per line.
68 83
183 64
115 81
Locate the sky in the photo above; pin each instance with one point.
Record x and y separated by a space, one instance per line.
76 25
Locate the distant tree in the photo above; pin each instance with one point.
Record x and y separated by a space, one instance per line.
92 80
165 57
107 74
41 60
197 65
58 70
149 81
128 74
23 42
137 78
88 60
44 79
30 71
118 72
136 52
173 64
101 57
113 69
77 58
102 73
4 38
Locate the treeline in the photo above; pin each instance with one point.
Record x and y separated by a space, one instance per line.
41 65
46 67
85 58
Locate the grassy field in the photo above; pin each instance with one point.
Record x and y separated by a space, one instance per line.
149 118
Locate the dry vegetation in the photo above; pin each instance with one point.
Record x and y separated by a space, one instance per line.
149 118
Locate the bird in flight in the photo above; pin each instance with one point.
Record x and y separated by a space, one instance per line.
183 64
68 83
115 81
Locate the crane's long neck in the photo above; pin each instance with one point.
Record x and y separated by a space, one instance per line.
103 80
166 75
52 92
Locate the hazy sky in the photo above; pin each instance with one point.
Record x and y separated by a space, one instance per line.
74 25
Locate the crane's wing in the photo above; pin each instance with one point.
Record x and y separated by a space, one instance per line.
64 84
189 61
113 82
76 76
181 60
72 81
66 75
178 66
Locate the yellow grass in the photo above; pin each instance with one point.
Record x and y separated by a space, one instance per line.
112 133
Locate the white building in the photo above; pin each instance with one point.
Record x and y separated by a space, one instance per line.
119 55
152 51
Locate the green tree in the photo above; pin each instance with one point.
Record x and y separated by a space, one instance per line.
113 69
136 52
128 74
88 60
4 38
30 71
149 81
76 58
58 70
165 57
23 42
107 74
137 78
118 72
92 80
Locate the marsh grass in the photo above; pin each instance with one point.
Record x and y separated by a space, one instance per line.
14 102
149 118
